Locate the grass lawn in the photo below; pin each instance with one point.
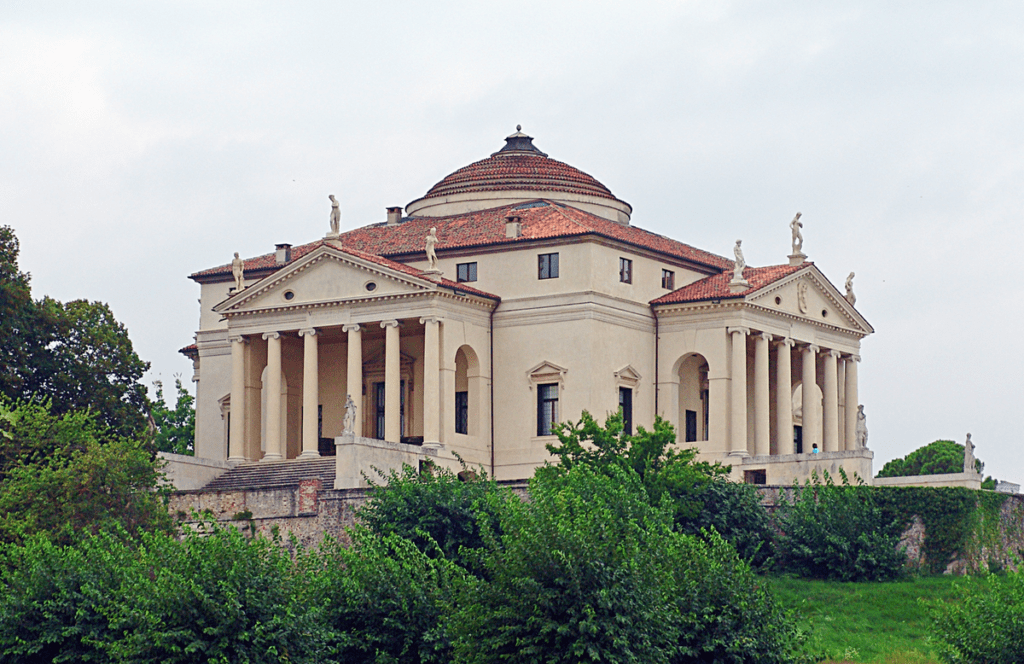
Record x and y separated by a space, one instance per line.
868 622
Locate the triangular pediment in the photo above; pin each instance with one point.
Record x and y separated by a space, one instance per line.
545 372
325 275
808 294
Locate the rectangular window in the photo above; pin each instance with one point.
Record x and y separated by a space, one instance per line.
465 272
625 270
668 279
547 266
691 426
462 412
626 406
547 407
378 390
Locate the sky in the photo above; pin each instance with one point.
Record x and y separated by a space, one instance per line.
142 142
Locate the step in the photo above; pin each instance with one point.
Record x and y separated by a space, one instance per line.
256 475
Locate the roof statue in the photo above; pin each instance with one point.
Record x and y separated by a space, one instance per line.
431 243
798 255
850 297
738 283
862 427
335 217
238 272
969 465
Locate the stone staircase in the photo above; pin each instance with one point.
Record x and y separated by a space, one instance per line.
258 475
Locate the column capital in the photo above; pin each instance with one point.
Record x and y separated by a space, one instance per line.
741 330
834 353
853 358
430 319
350 327
271 335
786 341
813 348
767 336
238 339
389 323
311 331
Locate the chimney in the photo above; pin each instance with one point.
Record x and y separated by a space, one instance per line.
513 226
394 216
283 253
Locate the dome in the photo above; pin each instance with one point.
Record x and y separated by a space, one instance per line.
518 172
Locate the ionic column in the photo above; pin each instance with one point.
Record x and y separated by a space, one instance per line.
354 380
273 388
236 444
851 402
811 427
841 383
831 398
738 401
784 397
310 394
392 382
431 381
762 417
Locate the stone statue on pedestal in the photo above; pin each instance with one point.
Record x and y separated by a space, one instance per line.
850 297
969 465
798 237
431 254
862 428
349 423
238 272
335 216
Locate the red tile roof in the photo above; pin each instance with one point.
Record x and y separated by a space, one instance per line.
189 350
541 220
518 172
268 264
717 286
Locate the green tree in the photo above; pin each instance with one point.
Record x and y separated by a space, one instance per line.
65 475
984 624
175 426
21 325
701 494
440 512
937 458
838 532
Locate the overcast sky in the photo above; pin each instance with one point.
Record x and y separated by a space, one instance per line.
143 141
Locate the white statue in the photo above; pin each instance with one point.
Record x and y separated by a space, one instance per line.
349 423
335 215
801 297
969 465
238 272
798 237
850 297
862 427
431 254
737 270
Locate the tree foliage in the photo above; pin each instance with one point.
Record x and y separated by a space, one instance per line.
700 494
175 425
75 354
984 624
937 458
65 475
838 532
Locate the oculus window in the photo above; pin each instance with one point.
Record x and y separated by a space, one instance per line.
547 266
547 408
465 272
625 270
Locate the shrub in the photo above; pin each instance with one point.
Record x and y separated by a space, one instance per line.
439 512
986 624
588 570
838 532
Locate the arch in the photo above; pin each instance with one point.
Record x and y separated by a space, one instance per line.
468 391
694 398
